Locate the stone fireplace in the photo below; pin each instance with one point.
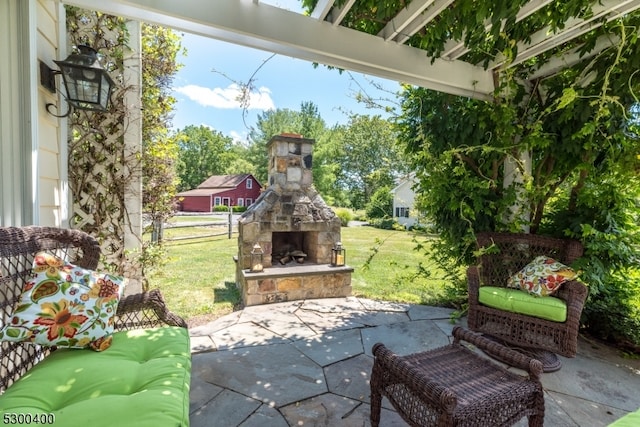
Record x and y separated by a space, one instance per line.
296 230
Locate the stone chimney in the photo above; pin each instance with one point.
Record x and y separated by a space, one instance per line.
290 217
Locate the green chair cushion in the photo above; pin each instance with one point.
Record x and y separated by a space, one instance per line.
141 380
632 419
517 301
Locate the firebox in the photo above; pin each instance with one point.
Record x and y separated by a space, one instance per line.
296 230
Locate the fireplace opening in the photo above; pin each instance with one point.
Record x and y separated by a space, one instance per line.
290 247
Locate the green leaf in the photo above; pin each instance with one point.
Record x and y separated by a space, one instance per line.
13 332
21 308
568 96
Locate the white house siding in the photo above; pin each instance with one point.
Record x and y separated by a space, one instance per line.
403 200
52 195
16 207
32 155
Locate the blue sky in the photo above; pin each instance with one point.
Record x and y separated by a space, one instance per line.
206 91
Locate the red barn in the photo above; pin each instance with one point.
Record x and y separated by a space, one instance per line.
228 190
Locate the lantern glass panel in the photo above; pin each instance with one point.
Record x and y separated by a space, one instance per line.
87 84
257 253
338 255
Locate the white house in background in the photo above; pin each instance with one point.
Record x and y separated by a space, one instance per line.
404 201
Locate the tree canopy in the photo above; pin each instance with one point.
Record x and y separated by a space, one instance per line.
572 140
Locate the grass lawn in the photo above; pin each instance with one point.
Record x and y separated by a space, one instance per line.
198 278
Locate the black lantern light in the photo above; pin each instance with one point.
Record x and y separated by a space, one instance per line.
256 259
338 255
87 85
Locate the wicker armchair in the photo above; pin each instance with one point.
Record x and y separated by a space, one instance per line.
455 386
18 246
526 332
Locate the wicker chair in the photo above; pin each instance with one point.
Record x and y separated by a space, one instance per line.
543 337
18 246
455 386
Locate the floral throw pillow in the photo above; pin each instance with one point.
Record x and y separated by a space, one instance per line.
542 276
66 306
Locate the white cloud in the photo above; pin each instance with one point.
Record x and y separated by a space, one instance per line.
227 98
238 137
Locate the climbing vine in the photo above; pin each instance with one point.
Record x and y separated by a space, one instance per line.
556 154
101 167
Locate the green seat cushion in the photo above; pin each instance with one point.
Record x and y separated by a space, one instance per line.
632 419
141 380
517 301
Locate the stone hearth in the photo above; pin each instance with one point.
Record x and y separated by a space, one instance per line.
290 217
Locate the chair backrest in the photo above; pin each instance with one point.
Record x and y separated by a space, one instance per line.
508 253
18 245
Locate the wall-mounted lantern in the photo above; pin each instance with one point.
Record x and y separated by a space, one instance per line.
87 85
257 254
338 255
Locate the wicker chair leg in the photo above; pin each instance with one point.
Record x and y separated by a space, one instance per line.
538 419
376 396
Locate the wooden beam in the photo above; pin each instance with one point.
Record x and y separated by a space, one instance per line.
269 28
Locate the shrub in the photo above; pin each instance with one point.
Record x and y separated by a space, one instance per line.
345 215
386 223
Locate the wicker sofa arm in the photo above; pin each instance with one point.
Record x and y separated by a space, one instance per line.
145 310
509 356
473 284
413 378
575 294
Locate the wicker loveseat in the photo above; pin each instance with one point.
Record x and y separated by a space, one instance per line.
508 253
142 379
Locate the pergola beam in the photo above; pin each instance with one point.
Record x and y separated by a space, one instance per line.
427 16
404 18
270 28
322 9
337 14
454 49
573 57
544 40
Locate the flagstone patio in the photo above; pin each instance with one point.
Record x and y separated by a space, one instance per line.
307 363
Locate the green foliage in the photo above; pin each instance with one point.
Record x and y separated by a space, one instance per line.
369 158
203 152
160 48
345 215
385 223
583 145
381 203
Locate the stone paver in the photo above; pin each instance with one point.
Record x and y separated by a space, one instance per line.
273 374
336 411
225 409
265 416
350 377
331 347
308 363
405 338
245 335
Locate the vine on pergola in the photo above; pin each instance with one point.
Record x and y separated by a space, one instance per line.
577 123
101 166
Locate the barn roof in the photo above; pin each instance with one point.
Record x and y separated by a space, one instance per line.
201 192
224 181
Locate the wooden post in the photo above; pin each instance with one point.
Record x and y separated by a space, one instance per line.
230 221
